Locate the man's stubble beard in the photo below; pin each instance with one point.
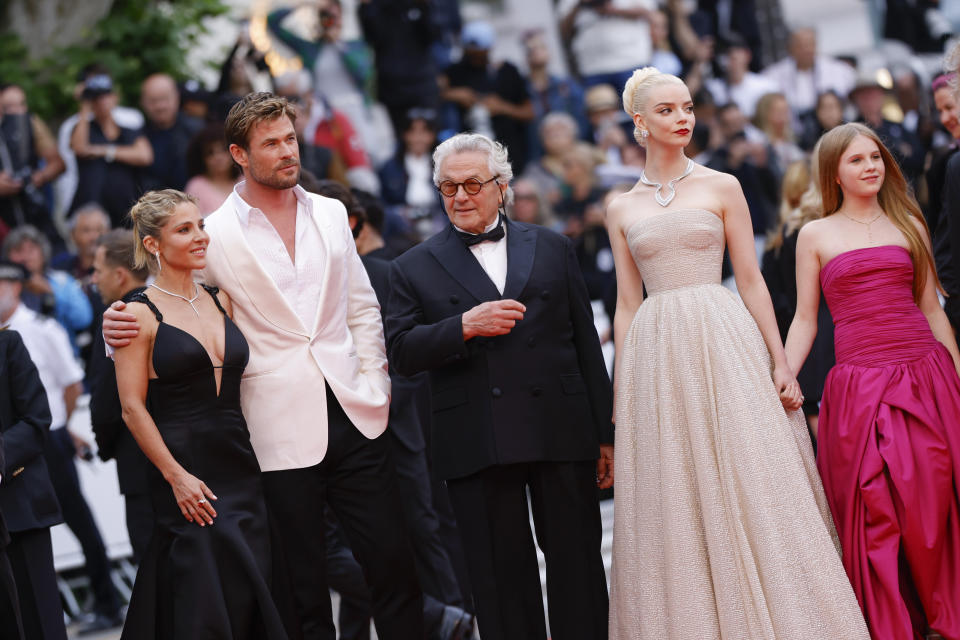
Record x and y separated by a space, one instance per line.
273 180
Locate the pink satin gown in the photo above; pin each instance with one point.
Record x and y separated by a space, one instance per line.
889 447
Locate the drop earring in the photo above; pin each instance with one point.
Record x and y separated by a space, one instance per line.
643 136
159 266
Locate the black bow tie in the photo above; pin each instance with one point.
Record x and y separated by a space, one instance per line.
493 235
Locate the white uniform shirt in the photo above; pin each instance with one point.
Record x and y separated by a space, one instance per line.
49 348
299 282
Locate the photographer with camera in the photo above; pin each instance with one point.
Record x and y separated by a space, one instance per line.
28 161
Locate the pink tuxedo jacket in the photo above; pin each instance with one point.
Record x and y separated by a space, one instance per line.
282 392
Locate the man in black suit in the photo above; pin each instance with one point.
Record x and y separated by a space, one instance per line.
498 313
116 276
28 503
11 628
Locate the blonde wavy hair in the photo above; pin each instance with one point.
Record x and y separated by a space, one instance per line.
149 215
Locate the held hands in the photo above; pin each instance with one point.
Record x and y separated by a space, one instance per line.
605 467
193 497
494 318
119 327
789 389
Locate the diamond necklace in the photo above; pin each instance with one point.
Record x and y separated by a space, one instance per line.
672 185
189 301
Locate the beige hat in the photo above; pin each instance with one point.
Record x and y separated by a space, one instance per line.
601 97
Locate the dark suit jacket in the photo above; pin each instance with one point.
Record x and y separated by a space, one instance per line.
409 396
114 440
27 499
946 239
538 393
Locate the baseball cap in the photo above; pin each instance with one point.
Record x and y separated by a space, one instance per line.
12 271
97 85
478 35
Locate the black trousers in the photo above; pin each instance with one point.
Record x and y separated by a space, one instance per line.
355 478
11 627
31 558
59 453
434 568
492 516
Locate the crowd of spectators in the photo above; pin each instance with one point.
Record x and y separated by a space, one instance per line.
371 110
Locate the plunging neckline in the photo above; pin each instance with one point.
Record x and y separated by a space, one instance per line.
218 384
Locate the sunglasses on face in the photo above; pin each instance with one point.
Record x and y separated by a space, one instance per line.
471 186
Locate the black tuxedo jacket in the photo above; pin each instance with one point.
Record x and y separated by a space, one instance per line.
27 499
408 395
538 393
114 439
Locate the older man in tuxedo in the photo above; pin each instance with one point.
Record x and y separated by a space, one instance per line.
498 313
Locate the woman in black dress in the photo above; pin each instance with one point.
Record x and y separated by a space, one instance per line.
207 572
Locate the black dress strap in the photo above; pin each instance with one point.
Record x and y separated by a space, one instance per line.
140 295
213 291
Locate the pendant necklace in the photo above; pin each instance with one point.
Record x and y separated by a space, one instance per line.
662 200
189 301
866 224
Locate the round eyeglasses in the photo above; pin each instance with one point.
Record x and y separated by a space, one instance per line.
471 186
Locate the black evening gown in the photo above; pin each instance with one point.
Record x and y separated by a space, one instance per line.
213 582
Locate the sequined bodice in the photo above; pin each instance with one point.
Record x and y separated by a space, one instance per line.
676 249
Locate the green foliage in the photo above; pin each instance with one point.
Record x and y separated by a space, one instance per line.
136 38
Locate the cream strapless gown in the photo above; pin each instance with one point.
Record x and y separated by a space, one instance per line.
721 527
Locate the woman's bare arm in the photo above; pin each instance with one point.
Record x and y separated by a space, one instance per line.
133 372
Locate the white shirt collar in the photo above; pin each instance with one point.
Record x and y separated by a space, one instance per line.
489 227
21 315
243 208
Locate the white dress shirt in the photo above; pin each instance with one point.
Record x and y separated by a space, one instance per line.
49 348
492 255
298 279
802 87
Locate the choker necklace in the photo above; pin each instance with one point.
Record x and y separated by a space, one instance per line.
189 301
672 185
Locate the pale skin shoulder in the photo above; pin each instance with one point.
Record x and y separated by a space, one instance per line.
133 371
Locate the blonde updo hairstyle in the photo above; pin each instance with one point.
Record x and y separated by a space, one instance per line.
149 215
636 93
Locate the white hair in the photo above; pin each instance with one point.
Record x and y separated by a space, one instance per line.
498 160
90 208
300 81
559 118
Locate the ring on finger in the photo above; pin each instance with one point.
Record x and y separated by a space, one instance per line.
202 501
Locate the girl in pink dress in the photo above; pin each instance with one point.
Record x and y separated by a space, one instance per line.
889 445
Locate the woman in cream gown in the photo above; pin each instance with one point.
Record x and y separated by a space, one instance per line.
721 528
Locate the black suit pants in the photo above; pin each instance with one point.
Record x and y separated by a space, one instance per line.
356 479
434 569
31 558
59 453
493 518
11 628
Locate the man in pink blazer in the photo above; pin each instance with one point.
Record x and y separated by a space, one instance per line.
315 393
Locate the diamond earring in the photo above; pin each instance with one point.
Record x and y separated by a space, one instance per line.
159 266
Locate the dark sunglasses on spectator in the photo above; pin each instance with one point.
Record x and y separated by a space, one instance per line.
471 186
